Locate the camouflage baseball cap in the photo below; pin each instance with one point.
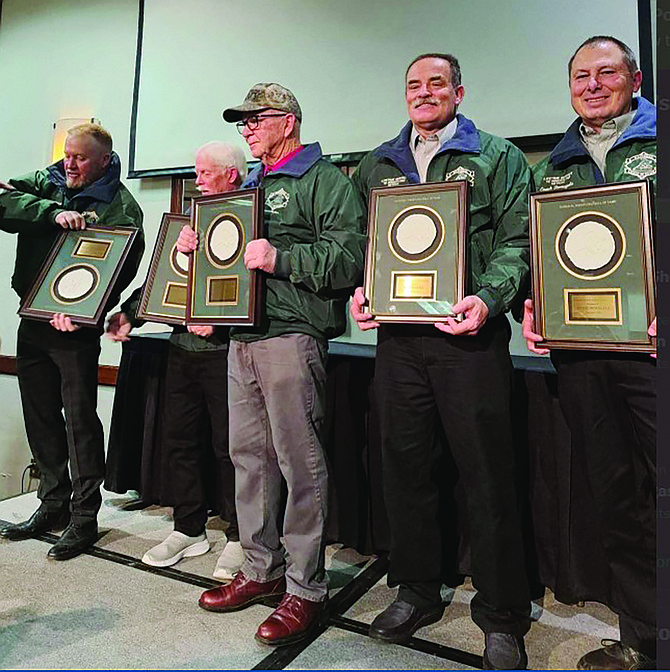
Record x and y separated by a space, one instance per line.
262 97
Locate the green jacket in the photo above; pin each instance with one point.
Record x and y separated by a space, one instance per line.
30 211
499 179
633 156
314 218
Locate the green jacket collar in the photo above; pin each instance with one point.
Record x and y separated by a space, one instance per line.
466 139
571 146
296 167
103 189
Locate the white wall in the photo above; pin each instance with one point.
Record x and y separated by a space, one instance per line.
14 451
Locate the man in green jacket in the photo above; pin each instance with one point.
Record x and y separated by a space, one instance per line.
311 257
57 362
451 382
609 398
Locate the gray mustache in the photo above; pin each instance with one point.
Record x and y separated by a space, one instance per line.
421 101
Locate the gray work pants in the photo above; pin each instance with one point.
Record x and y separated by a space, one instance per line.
276 395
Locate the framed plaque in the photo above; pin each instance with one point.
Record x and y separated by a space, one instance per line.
220 288
79 274
415 260
593 267
164 293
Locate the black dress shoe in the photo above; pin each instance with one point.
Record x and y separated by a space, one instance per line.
615 656
504 652
41 521
400 620
74 541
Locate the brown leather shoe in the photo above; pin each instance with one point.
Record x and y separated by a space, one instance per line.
615 656
290 622
240 593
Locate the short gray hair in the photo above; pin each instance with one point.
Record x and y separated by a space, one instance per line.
626 51
225 155
454 66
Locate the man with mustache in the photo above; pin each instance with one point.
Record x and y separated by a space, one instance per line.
57 362
196 392
450 383
608 398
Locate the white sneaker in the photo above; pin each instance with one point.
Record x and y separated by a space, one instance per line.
174 548
230 561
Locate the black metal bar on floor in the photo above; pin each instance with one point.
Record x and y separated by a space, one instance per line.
415 643
341 602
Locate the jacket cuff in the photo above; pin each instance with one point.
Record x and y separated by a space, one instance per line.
492 300
129 308
283 265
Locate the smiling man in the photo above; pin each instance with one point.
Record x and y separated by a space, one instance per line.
57 363
603 79
608 398
310 257
450 383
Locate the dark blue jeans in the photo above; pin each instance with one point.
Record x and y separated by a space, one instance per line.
435 389
58 373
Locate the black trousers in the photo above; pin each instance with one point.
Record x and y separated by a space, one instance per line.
58 373
197 384
609 403
435 389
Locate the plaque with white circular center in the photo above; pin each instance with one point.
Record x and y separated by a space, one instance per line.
75 283
179 261
590 245
416 234
224 240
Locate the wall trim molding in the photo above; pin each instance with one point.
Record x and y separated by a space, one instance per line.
107 374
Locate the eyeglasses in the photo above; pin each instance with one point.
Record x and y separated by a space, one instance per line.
253 122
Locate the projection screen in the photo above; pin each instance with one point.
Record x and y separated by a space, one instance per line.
345 61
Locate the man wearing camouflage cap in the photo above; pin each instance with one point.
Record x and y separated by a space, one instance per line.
311 257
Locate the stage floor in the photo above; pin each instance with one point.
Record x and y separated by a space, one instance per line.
106 610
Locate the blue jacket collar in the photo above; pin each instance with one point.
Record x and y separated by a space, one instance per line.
104 189
466 139
296 167
643 127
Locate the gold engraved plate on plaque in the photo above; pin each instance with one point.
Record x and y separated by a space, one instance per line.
593 306
89 248
175 294
413 286
223 291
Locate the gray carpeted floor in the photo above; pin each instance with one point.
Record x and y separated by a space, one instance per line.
105 611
